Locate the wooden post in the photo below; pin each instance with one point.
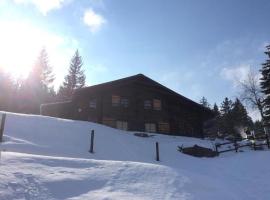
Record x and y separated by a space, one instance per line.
267 141
216 148
157 152
92 142
235 146
2 126
254 145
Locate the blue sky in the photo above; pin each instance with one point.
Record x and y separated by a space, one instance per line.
197 48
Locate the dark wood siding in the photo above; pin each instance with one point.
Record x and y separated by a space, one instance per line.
182 119
177 116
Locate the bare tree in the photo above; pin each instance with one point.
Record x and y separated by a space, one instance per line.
251 92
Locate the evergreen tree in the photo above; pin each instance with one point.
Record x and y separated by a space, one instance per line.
226 107
239 114
231 119
204 102
75 78
216 110
36 89
41 74
225 120
265 85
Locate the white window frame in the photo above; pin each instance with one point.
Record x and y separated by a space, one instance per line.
123 125
150 127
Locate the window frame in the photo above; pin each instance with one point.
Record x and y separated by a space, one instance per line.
155 103
122 125
124 102
147 104
93 103
164 127
116 99
150 127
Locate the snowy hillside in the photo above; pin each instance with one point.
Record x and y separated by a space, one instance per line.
48 158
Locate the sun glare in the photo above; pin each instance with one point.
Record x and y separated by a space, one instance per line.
17 48
21 44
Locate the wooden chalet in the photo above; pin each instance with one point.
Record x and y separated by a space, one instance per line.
135 103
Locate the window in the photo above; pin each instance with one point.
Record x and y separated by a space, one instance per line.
164 127
115 100
156 104
123 125
150 127
147 104
93 103
108 122
124 102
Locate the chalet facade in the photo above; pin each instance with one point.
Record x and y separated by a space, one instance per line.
135 103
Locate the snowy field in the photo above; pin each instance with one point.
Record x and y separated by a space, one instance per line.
48 158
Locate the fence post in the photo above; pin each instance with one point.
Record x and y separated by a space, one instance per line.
216 148
92 142
267 141
235 145
254 145
2 126
157 152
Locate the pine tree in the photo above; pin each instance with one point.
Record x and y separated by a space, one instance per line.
75 78
225 121
204 102
265 85
231 118
226 107
216 110
47 76
240 115
41 74
215 125
36 89
240 118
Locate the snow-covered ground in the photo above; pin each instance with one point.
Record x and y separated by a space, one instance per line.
48 158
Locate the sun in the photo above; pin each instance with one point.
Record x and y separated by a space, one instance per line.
17 48
21 43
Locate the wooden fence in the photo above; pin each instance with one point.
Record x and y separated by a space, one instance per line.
252 142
